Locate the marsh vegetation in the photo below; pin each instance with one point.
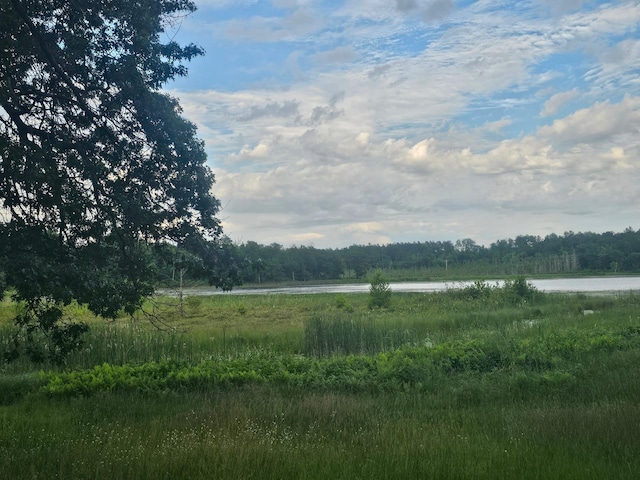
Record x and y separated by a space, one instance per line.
476 382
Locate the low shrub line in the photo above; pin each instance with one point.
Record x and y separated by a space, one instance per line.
404 367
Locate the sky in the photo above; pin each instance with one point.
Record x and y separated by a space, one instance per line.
330 123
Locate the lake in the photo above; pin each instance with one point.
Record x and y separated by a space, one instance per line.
568 285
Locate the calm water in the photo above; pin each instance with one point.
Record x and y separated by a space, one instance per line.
592 284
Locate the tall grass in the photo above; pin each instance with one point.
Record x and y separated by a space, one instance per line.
421 320
347 334
260 432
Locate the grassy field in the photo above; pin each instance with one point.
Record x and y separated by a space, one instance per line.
475 383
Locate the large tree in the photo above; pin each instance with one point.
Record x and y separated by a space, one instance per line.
97 163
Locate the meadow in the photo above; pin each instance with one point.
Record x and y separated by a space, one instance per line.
472 383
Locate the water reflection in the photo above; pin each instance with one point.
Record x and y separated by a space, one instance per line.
590 284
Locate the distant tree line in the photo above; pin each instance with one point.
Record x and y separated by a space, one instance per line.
252 263
526 254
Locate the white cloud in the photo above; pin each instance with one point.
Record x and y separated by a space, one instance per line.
562 6
552 105
597 123
365 227
284 109
619 64
438 10
337 55
259 151
498 125
296 25
307 237
406 5
524 175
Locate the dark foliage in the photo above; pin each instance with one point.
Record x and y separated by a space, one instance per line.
96 162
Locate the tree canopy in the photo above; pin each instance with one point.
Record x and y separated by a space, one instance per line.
96 162
568 253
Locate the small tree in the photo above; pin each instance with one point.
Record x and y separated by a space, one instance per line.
379 291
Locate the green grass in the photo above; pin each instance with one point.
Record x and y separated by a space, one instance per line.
460 384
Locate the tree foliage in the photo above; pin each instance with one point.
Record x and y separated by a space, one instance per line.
97 163
379 291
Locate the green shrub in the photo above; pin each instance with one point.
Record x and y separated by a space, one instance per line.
342 304
519 292
478 290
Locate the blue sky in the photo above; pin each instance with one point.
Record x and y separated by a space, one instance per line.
332 123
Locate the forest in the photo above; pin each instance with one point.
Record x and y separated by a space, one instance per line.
569 253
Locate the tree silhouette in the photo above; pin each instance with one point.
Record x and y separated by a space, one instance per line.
97 163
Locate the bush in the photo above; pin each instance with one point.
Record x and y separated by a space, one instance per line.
518 291
341 303
478 290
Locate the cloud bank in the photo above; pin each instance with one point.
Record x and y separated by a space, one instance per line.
335 123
